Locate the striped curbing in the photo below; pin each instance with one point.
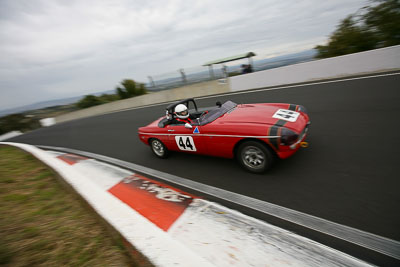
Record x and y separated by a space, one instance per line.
172 227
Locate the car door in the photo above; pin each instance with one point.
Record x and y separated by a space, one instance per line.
186 140
219 140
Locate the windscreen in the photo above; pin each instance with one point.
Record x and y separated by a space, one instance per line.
214 114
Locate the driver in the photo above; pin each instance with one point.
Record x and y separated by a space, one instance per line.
182 114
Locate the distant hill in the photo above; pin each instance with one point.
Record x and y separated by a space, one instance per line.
39 105
49 103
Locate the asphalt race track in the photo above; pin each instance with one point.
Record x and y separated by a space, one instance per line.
347 175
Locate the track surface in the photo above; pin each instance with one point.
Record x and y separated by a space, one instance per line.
348 174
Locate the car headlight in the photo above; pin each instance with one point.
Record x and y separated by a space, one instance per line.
288 137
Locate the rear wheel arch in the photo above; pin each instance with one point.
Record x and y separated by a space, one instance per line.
149 140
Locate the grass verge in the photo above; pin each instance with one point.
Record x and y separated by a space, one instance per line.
42 223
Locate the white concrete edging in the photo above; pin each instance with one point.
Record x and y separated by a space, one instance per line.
384 59
194 90
9 135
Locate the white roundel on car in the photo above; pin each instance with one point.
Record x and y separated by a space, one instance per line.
287 115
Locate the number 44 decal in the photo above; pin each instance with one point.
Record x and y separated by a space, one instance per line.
185 143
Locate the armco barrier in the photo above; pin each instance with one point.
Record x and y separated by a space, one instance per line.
194 90
383 59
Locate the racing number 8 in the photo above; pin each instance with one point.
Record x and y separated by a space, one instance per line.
185 143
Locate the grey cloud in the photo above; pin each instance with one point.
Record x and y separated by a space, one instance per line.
66 48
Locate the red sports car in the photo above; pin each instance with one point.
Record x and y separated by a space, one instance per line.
254 133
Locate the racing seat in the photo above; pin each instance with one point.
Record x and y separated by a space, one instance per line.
164 122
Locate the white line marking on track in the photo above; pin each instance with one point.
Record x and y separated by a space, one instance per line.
300 85
217 135
264 89
367 240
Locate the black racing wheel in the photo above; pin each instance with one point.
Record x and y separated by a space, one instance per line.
254 156
158 148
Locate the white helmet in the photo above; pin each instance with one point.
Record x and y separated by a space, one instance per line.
181 111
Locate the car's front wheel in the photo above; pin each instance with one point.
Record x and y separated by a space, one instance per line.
158 148
254 156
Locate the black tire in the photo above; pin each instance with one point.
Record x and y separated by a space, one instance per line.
255 157
158 148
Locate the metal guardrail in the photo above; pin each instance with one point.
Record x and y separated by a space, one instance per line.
181 78
191 75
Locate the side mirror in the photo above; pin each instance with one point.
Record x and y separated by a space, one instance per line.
218 104
188 126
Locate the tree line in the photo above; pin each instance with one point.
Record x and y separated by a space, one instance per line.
371 27
24 122
128 88
18 122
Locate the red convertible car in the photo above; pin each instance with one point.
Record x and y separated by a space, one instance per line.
253 133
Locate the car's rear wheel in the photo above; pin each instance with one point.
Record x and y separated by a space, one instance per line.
158 148
254 156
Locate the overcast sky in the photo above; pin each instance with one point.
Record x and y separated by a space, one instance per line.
53 49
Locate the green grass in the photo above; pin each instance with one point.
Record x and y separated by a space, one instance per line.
43 224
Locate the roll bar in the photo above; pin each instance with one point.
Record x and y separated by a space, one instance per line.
170 108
